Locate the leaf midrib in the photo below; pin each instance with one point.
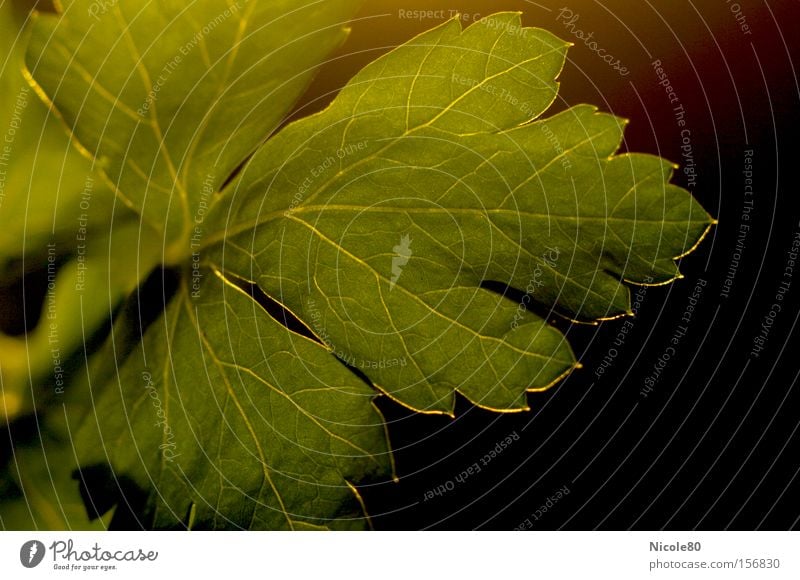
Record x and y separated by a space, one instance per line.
232 232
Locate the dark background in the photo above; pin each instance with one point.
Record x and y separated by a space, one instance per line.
715 444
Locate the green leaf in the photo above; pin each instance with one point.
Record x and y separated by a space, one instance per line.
236 422
56 215
376 223
36 162
434 143
170 97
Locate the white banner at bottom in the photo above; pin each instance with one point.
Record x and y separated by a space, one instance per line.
401 555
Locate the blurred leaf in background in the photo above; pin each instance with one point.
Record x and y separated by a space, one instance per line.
54 216
56 219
